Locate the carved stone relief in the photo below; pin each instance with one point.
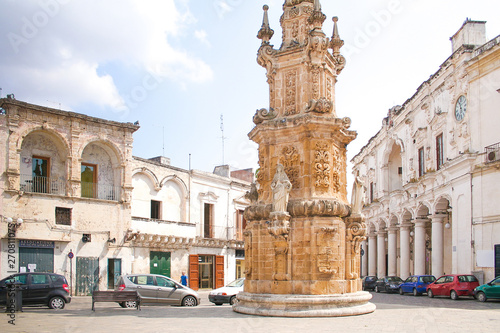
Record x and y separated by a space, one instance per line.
322 167
328 261
248 253
291 93
290 161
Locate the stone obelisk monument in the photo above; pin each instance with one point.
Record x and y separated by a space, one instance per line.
302 240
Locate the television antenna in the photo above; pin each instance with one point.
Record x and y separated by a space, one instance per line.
222 137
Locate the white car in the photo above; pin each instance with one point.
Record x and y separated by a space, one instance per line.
226 294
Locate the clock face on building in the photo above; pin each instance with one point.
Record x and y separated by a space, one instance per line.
460 108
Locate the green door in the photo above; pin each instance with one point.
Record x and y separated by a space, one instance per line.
114 272
159 263
36 259
87 275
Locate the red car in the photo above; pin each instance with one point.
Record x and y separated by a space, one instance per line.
453 285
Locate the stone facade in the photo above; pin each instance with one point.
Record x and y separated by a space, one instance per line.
44 153
73 182
431 173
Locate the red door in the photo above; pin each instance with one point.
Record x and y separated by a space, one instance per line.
219 271
194 272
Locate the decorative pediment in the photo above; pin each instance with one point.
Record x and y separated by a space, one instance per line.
208 196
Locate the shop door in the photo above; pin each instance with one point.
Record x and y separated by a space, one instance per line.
36 259
114 272
206 267
159 263
87 275
194 272
219 272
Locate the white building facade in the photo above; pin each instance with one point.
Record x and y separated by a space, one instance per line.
431 173
188 221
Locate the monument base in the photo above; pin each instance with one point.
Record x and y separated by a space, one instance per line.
275 305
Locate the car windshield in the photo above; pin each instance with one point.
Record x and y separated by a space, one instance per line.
236 283
428 279
394 279
467 278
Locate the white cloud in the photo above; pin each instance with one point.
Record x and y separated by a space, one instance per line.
202 36
63 44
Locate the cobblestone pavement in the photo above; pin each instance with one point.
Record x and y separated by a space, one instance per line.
394 313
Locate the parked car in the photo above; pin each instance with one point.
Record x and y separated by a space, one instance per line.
453 285
488 290
389 284
416 284
369 282
154 288
226 294
47 289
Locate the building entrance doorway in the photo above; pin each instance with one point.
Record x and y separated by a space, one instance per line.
114 272
206 271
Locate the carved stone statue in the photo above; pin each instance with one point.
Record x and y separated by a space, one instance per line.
281 187
253 194
358 194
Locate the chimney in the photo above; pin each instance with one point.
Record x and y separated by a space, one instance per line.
471 34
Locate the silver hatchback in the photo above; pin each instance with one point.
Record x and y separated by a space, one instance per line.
155 288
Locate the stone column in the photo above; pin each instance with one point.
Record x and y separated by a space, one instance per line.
404 248
364 259
372 254
381 253
392 246
420 246
437 244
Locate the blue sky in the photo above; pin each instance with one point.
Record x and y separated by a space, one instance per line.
176 66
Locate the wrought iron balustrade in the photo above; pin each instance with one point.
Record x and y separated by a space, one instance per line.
39 184
100 191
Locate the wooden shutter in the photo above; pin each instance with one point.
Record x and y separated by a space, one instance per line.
194 272
219 271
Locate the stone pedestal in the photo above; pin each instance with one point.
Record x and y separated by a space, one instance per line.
336 305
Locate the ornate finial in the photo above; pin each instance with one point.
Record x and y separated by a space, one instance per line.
317 6
317 17
336 43
265 32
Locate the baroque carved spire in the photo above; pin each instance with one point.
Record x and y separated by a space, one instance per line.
265 32
317 17
336 43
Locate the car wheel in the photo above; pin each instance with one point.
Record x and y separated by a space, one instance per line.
233 300
218 303
189 301
122 304
401 292
430 293
129 304
376 289
57 303
481 296
453 295
415 292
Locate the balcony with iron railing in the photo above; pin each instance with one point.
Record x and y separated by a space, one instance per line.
39 184
57 186
100 191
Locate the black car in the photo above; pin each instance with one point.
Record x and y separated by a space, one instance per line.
369 282
47 289
389 284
